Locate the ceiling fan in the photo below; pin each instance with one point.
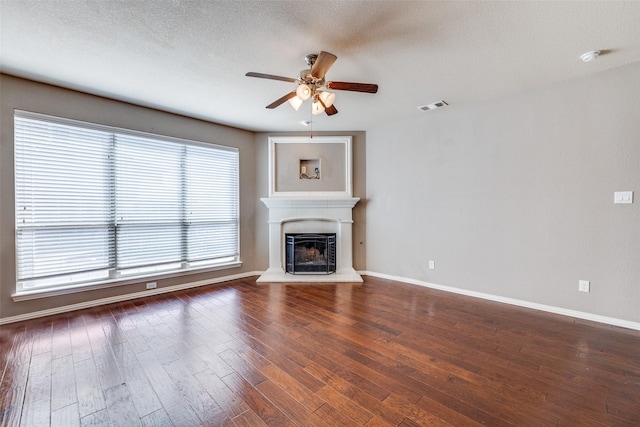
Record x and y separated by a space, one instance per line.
311 84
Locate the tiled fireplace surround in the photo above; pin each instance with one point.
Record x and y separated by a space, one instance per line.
310 215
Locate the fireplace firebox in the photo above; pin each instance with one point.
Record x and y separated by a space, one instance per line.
310 253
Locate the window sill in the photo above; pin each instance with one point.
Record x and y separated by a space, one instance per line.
72 289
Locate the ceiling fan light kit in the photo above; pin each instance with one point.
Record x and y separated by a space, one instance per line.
317 107
327 98
303 92
311 81
295 102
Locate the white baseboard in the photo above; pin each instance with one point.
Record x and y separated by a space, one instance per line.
125 297
520 303
548 308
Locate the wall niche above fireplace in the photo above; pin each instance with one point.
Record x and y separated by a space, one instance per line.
310 167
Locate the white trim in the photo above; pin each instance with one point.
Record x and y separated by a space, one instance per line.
309 202
520 303
348 184
121 281
125 297
297 219
120 298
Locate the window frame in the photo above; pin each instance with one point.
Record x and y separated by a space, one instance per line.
119 280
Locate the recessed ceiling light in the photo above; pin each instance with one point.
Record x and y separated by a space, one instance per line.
590 56
432 106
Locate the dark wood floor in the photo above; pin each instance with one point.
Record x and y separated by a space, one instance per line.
378 354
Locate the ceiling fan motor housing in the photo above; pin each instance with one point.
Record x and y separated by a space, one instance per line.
311 59
307 78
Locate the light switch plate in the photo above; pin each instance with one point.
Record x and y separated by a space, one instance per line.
623 197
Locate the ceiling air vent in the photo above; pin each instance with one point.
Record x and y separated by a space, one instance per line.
432 106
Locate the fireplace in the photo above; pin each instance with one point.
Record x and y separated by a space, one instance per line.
310 215
310 253
310 206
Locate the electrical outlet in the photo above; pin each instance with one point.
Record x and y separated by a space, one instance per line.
152 285
583 285
432 264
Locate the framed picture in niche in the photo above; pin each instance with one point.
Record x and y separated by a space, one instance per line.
310 167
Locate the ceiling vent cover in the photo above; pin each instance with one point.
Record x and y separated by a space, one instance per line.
432 106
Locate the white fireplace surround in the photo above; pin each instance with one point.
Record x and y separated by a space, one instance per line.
307 206
310 215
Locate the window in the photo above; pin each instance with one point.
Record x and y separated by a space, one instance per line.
97 204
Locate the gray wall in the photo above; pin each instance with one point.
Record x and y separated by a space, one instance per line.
359 156
330 161
25 95
514 198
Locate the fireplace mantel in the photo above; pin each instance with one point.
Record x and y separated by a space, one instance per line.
314 215
310 202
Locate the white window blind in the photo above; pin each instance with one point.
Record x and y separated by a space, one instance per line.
95 203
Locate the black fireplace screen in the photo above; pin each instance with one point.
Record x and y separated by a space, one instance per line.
311 253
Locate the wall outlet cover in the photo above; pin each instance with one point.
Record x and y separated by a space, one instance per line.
432 264
583 285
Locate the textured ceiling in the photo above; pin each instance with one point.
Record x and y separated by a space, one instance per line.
190 57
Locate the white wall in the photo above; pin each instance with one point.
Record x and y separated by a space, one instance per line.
514 198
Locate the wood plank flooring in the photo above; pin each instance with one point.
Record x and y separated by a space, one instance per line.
381 353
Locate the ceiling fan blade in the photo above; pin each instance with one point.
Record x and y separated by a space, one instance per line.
282 100
324 61
331 110
354 87
270 76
